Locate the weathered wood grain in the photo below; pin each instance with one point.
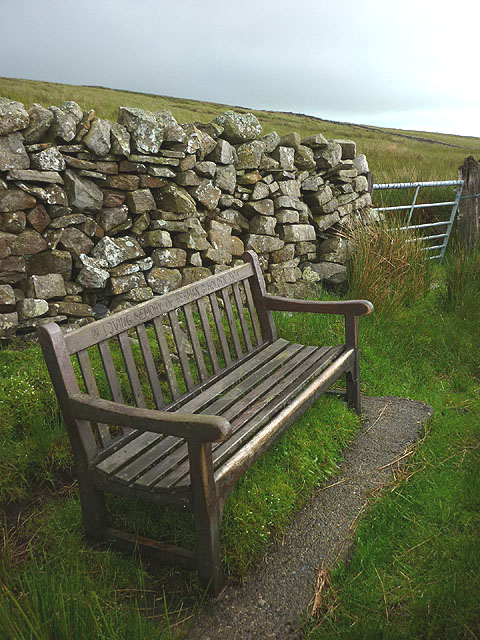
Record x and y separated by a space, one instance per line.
259 291
131 367
179 338
227 305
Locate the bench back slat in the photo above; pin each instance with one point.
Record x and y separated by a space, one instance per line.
227 305
166 357
110 372
217 316
207 332
252 311
150 367
131 367
179 338
90 383
197 349
241 315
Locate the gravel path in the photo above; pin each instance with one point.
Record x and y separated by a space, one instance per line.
274 599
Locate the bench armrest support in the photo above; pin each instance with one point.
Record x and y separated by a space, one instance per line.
196 427
341 307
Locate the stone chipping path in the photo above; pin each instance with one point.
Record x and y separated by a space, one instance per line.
273 601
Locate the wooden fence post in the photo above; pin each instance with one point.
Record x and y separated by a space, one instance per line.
371 182
468 217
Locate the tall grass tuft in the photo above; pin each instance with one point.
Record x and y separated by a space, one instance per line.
386 266
60 602
462 278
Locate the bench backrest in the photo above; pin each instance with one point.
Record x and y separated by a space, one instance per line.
143 356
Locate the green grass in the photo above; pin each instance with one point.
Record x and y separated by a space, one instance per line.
33 444
415 568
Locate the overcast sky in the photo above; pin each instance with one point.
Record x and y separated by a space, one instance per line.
412 64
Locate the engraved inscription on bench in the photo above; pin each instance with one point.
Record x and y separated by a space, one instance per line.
161 305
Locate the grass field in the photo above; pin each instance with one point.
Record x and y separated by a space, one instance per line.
415 569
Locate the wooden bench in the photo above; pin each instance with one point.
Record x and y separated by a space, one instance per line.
215 413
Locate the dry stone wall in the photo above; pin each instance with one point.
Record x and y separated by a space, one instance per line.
96 216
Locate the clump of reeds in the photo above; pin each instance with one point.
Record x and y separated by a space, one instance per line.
387 265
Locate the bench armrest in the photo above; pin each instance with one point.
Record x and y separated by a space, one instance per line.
341 307
197 427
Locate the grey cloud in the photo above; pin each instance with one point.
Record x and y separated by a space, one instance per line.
354 59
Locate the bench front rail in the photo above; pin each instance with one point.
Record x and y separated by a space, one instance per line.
175 398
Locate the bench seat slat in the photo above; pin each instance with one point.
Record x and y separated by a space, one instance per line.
201 388
265 407
143 441
128 452
292 358
152 476
252 380
259 412
198 403
142 464
290 406
264 391
284 362
156 463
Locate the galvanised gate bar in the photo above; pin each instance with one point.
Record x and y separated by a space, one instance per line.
448 224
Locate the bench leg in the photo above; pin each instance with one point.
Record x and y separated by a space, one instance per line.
207 513
353 389
95 519
353 375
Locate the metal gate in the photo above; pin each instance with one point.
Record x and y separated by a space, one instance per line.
438 246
